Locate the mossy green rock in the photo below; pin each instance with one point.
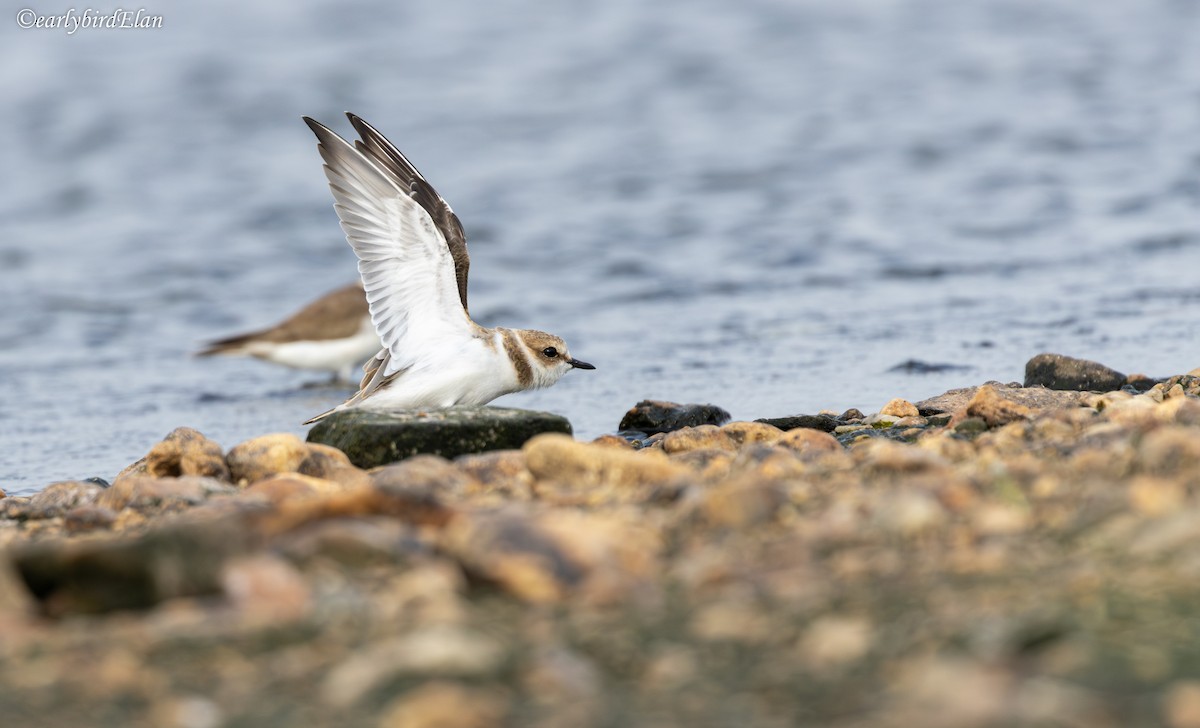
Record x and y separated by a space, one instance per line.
372 438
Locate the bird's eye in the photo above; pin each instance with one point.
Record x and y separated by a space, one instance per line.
550 352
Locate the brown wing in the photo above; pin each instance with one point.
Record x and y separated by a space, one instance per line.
386 155
336 315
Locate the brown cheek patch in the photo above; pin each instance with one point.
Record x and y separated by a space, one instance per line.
512 347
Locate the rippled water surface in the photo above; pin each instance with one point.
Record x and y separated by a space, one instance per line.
767 205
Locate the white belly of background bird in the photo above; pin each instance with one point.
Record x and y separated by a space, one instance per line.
412 257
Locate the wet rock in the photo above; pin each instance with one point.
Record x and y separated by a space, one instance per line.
93 576
1037 398
373 438
264 456
696 438
443 704
995 410
1055 371
823 423
53 501
651 416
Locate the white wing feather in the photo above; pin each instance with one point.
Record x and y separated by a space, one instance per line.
405 264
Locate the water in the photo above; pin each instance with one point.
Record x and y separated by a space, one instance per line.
766 205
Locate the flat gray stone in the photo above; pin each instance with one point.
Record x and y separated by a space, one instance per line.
1038 398
370 438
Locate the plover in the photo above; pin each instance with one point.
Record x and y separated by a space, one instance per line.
412 256
333 333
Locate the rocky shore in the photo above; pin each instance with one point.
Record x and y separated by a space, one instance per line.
1005 554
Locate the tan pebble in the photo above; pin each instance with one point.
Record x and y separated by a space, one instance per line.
143 491
266 587
743 433
83 519
834 641
708 464
431 473
500 472
900 408
995 410
557 457
435 650
810 443
15 598
1181 704
56 499
611 440
1155 496
289 486
741 503
1170 449
265 456
981 694
669 668
993 519
1180 410
183 451
731 620
695 438
442 704
566 684
891 456
954 492
191 711
767 462
323 461
910 512
1175 391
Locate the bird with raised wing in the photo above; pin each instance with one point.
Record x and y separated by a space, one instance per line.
412 257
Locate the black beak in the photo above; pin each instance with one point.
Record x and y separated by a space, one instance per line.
580 364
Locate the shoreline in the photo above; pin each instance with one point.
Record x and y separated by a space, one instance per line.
995 555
